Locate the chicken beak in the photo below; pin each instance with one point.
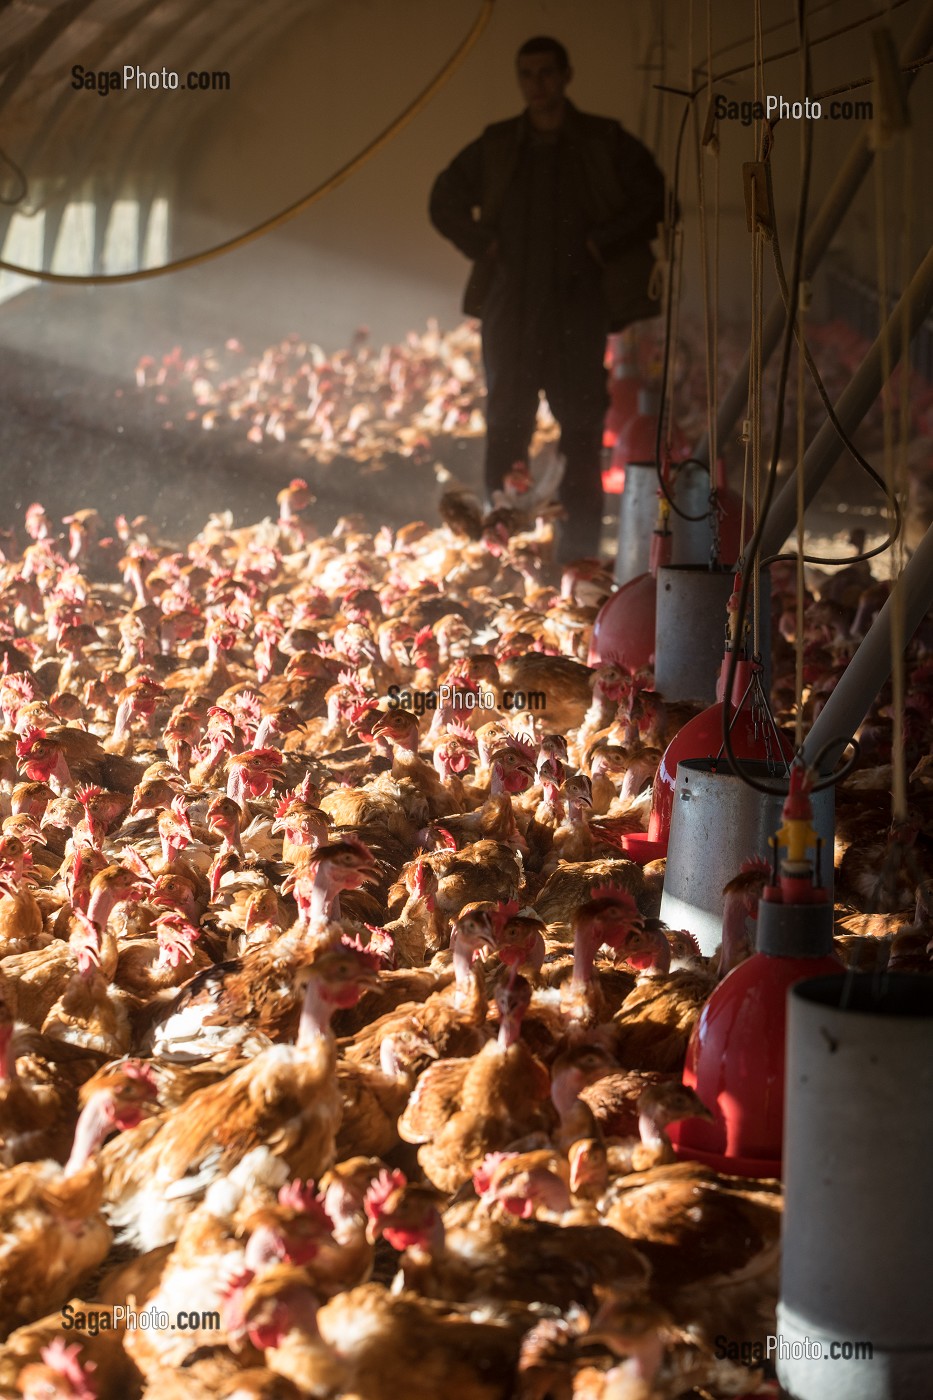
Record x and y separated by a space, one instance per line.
373 1231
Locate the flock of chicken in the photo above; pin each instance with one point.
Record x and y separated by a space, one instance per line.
338 1039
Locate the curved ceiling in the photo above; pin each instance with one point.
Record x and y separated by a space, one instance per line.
97 142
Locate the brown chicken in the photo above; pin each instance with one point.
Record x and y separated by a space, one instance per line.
713 1244
285 1100
463 1109
53 1235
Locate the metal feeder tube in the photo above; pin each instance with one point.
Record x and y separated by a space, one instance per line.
689 630
858 1217
717 823
638 512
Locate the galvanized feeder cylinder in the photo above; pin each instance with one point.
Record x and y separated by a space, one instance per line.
717 823
693 539
690 630
857 1262
638 513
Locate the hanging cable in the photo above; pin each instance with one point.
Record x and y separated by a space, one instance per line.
668 314
20 177
277 220
751 563
891 500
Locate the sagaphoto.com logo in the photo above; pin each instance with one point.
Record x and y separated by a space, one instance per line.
777 107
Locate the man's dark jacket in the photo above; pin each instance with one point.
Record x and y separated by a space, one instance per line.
621 189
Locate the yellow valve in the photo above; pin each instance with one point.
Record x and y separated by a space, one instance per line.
796 835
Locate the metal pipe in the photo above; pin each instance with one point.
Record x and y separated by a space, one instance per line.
870 667
854 403
832 211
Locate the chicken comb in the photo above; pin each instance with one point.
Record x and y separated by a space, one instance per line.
462 731
686 937
424 634
446 837
512 741
755 865
381 1191
368 957
303 1196
484 1173
505 909
617 894
134 861
284 804
349 678
247 701
142 1074
30 735
86 792
66 1362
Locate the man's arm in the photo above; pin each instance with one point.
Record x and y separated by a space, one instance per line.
457 192
643 186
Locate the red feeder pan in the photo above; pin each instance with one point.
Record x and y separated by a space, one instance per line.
624 629
735 1059
700 738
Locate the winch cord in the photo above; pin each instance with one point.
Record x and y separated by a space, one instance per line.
325 187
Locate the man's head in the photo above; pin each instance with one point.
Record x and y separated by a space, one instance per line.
543 68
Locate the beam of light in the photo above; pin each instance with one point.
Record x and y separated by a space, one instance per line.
120 241
74 246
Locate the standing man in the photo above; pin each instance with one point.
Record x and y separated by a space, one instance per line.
557 209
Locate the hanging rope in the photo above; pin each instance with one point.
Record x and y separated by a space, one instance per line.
801 511
277 220
898 757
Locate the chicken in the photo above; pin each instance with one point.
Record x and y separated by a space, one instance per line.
371 1343
21 922
372 1099
51 1233
463 1109
571 885
658 1016
42 1361
518 1260
592 1161
285 1098
712 1243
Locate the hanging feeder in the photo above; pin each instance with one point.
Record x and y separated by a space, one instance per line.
624 630
735 1059
693 539
718 823
691 603
859 1122
638 510
754 736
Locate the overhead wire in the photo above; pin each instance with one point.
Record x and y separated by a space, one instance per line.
8 160
822 39
891 499
750 563
275 221
817 10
